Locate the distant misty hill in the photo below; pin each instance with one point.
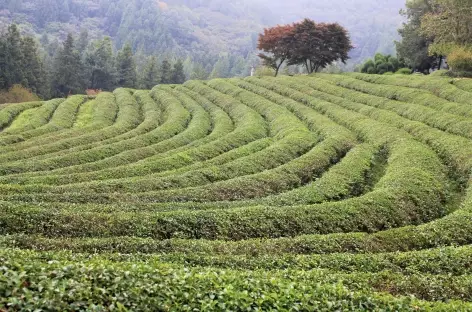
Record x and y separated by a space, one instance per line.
199 27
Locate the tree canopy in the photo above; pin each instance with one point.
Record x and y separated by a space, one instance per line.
413 48
313 45
277 42
434 29
381 64
20 62
449 24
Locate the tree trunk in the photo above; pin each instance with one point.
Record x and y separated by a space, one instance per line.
278 67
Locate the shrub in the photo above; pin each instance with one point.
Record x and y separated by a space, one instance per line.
17 94
381 64
460 60
264 71
403 71
439 73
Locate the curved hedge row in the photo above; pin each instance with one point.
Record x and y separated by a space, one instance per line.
9 112
32 118
314 193
444 88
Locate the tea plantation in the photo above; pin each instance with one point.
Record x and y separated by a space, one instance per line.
344 192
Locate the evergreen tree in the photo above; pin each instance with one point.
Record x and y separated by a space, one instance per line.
83 41
151 75
20 62
221 68
166 72
34 75
178 75
101 66
3 63
199 72
188 67
238 68
68 70
126 68
13 57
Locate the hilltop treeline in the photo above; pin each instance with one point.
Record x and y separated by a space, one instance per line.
78 64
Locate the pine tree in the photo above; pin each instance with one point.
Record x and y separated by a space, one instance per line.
221 68
199 72
238 68
166 72
13 57
178 75
126 68
188 67
20 62
68 70
83 41
151 75
3 63
34 75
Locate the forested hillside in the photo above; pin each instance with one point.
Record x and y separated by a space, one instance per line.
202 29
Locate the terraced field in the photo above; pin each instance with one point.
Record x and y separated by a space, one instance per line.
326 193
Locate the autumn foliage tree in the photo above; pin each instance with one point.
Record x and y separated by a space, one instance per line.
306 43
278 42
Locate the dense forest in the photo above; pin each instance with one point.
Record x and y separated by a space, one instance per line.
77 65
205 32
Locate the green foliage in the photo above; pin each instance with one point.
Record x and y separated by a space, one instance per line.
100 65
403 71
414 47
150 76
183 289
174 28
166 72
381 64
264 71
439 73
68 70
178 75
460 59
449 23
319 193
126 68
20 63
221 68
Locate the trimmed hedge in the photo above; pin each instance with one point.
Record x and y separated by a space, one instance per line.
10 111
308 193
31 119
29 281
441 87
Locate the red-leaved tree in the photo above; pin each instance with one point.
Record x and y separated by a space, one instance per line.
277 42
306 43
